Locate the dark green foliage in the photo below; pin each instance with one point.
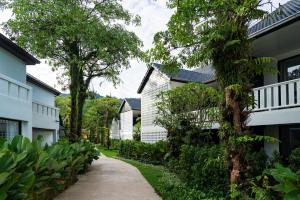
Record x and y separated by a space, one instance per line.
205 168
288 182
149 153
256 162
115 144
294 160
30 171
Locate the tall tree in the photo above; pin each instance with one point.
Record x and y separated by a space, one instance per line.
98 116
86 38
216 31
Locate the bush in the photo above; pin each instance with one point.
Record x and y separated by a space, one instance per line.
204 168
149 153
115 144
294 160
30 171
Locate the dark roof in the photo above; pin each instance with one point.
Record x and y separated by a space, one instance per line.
134 103
182 75
40 83
17 51
283 16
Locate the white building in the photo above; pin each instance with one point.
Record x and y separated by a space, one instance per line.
130 112
26 103
277 96
156 81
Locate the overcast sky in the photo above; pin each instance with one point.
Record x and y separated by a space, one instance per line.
154 16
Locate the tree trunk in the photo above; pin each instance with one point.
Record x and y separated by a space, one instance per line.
236 152
74 112
82 95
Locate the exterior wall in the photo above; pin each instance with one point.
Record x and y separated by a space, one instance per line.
151 133
126 120
115 129
25 102
270 148
12 67
47 135
41 95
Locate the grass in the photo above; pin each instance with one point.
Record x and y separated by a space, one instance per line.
152 173
108 152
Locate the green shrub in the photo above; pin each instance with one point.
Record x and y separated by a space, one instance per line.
294 160
204 168
288 182
115 144
30 171
149 153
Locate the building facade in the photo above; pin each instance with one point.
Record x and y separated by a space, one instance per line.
276 111
27 104
129 114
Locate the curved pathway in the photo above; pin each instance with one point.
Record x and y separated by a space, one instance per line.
110 179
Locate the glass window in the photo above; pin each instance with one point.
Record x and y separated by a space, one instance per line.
290 69
9 128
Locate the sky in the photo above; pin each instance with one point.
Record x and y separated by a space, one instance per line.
154 17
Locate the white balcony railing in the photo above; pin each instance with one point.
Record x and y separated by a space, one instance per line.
44 116
45 110
277 96
14 89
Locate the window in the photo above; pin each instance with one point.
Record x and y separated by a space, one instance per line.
290 139
289 69
9 128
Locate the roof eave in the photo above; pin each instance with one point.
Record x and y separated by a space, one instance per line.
36 81
17 51
275 26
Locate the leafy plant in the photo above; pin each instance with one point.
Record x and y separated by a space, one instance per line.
29 170
288 182
294 160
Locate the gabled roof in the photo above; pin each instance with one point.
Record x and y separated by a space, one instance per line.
41 84
17 51
182 75
134 103
283 16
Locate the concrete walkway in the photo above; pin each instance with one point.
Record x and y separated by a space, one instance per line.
110 179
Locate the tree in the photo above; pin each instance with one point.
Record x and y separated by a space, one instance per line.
216 31
64 105
99 114
185 111
86 38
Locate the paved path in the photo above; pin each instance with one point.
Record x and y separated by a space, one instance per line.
110 179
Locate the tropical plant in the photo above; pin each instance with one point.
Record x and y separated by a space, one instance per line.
215 32
30 171
288 182
85 39
294 160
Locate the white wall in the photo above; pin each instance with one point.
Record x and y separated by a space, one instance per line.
114 129
272 131
48 135
149 131
41 95
126 120
12 66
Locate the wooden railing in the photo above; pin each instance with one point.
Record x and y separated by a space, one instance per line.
277 96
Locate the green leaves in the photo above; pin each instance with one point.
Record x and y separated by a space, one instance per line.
28 171
288 182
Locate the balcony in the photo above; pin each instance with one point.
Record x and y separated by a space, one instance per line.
276 104
15 99
44 116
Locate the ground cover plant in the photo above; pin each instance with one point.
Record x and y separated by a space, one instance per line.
30 171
